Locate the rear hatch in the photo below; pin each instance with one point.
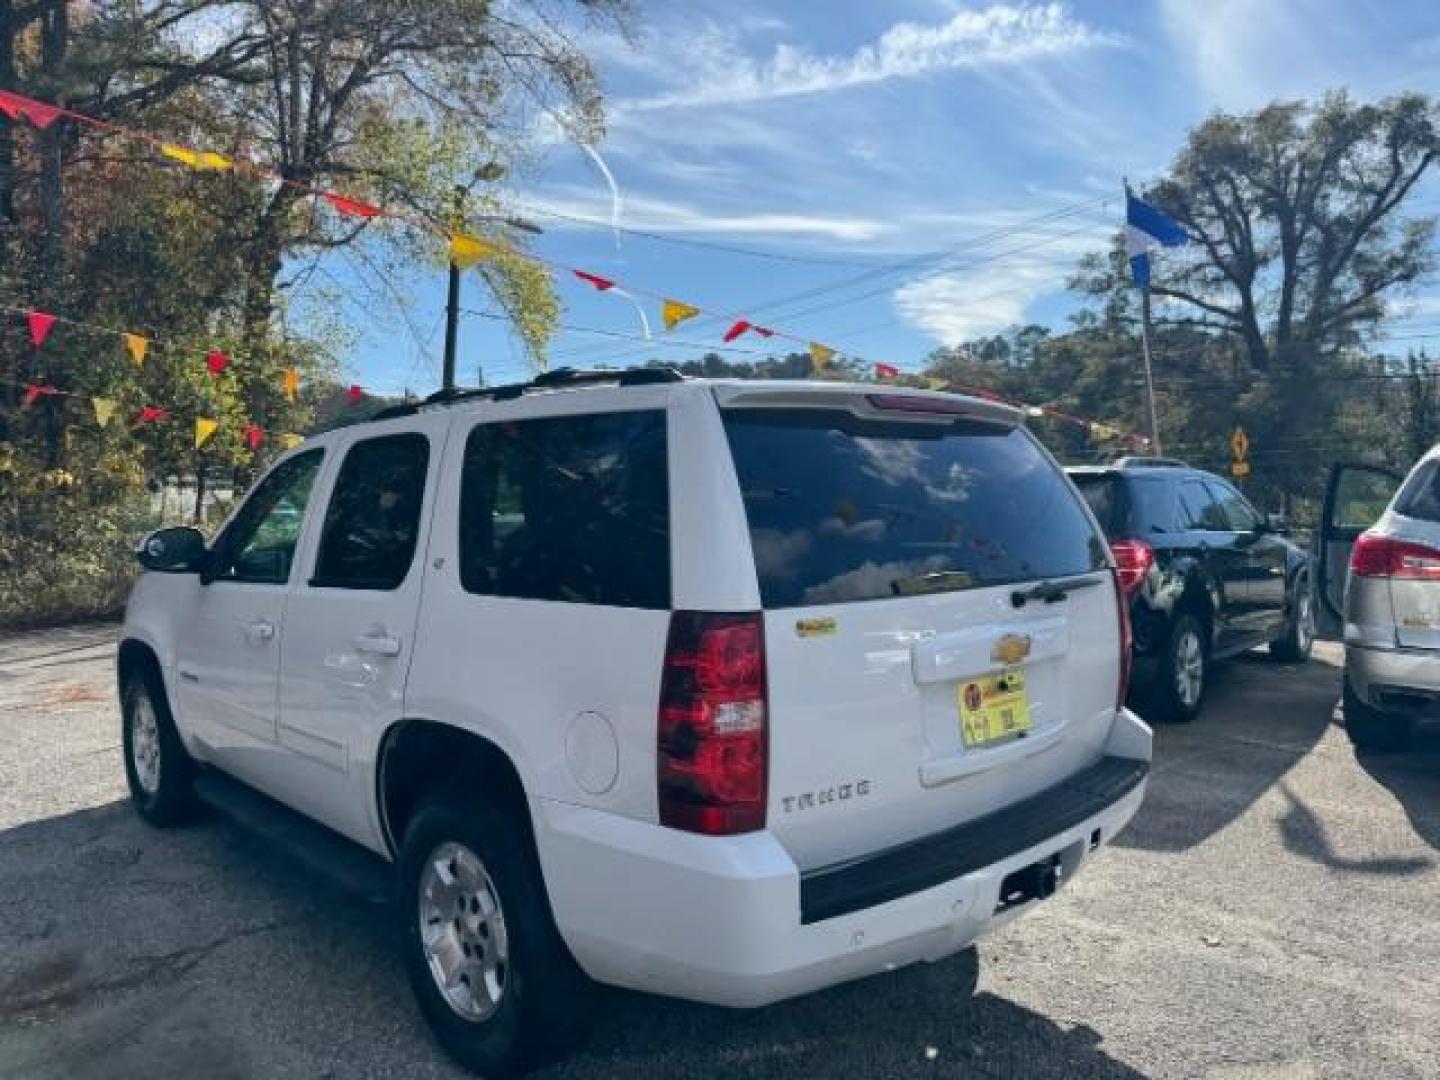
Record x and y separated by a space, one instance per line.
1414 522
912 684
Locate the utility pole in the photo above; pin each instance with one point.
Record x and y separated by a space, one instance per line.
452 304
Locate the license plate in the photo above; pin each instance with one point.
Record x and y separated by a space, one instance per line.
994 707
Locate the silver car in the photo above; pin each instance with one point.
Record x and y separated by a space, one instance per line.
1379 586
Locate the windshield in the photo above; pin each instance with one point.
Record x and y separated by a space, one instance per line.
844 509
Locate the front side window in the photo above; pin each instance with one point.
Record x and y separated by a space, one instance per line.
373 521
572 509
844 508
259 544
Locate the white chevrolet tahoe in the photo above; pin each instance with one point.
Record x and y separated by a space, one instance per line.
722 690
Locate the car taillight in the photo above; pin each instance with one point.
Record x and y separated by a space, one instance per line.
712 739
1122 613
1383 556
1133 560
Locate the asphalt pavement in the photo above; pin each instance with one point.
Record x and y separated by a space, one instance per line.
1273 911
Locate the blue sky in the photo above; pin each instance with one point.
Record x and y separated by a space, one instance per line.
839 139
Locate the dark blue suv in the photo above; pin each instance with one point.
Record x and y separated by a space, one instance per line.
1208 577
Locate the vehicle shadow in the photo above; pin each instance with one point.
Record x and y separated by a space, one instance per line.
1413 777
1259 720
214 951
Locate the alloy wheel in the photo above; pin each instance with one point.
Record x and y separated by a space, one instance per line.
462 931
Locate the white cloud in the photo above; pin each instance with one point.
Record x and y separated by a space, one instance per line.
716 71
961 304
660 215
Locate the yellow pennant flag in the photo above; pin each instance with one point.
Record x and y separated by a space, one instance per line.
289 442
1103 431
290 383
936 384
821 355
674 312
196 159
136 346
467 250
104 409
204 428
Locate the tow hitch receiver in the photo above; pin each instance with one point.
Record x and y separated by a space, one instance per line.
1034 882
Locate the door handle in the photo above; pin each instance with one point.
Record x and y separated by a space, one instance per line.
378 643
260 630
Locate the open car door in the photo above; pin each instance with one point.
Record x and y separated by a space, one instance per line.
1355 497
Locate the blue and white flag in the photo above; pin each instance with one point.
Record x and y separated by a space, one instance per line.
1147 227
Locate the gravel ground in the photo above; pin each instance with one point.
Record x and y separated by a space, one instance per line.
1274 911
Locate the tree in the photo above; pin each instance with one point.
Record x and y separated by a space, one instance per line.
1299 241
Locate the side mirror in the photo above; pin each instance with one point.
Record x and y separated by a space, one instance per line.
1277 524
177 550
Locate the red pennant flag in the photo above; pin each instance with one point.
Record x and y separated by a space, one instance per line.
151 414
887 371
354 394
33 391
216 361
37 112
254 436
351 207
41 324
599 282
743 325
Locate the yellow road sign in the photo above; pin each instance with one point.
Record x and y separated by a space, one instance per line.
1240 469
1239 443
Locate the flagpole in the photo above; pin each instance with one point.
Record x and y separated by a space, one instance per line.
1156 449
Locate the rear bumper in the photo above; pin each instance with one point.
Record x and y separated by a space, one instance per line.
732 921
1402 681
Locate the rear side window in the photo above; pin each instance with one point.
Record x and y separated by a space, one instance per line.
844 508
1200 509
1420 497
373 521
572 509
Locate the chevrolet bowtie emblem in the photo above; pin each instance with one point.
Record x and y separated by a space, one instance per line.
1011 649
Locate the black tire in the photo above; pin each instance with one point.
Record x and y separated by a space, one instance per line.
543 1007
1166 701
1299 639
1370 728
169 798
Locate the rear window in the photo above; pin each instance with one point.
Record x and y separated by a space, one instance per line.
1420 497
1106 496
843 508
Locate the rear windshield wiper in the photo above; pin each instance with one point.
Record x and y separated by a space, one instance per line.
1051 591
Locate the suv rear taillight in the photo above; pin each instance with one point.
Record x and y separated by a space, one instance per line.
1122 613
1133 560
1385 557
712 740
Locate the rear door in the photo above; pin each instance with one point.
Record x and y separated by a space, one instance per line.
1226 562
1355 497
350 620
913 684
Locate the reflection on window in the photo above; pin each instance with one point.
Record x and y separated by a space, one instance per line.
843 508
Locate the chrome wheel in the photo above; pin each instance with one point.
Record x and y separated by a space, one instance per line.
462 930
1304 622
1189 669
145 744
